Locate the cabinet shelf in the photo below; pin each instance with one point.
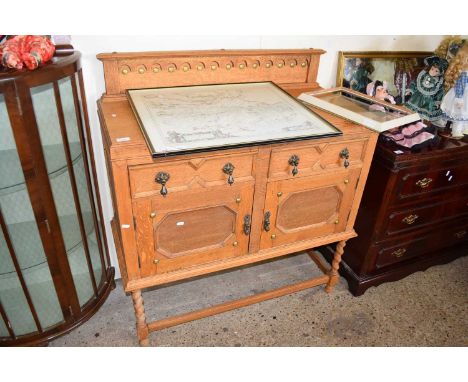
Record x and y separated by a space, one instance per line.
30 254
12 180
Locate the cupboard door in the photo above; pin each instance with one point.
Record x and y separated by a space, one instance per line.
305 208
191 228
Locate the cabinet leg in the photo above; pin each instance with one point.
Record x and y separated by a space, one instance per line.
141 326
334 275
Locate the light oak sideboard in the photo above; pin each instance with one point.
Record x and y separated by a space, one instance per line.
275 206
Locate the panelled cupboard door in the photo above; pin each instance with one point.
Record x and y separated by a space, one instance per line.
190 228
304 208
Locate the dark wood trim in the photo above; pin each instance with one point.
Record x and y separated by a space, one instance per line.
7 322
76 197
19 273
84 150
93 168
32 159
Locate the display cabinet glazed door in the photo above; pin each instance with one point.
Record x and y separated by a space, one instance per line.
304 208
189 228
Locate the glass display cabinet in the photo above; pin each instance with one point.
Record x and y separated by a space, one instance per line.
54 262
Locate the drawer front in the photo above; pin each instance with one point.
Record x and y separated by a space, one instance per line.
410 219
400 250
423 181
191 228
315 158
192 174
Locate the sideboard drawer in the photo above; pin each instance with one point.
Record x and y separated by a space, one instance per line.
307 159
191 174
399 250
425 181
413 218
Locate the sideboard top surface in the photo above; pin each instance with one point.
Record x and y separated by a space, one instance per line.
294 70
124 139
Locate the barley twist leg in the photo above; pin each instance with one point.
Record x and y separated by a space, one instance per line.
334 275
141 326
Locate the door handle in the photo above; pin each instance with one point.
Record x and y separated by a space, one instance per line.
247 224
266 221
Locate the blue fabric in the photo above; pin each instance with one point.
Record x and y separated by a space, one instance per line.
460 85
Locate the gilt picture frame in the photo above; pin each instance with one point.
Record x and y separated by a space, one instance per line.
357 69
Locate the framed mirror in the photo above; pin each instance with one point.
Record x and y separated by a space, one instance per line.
356 70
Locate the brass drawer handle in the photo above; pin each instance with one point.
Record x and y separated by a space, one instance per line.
294 161
460 234
410 219
247 224
344 154
423 183
266 221
399 252
162 178
228 169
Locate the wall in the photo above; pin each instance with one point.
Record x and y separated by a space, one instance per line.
94 78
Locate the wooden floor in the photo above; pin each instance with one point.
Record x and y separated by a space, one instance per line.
425 309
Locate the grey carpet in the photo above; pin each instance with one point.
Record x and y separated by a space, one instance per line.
424 309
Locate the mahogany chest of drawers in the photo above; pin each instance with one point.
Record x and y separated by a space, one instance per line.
414 214
208 219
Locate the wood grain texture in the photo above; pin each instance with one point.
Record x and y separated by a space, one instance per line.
323 197
160 69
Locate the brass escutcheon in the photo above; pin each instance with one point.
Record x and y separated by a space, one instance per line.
410 219
460 234
423 183
399 252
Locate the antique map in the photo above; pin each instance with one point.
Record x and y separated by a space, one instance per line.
199 117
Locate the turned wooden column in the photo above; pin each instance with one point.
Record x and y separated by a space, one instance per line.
141 326
334 276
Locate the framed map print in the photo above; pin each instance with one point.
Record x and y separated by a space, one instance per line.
198 118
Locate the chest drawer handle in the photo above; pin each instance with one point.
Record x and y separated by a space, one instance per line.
294 161
266 221
460 234
344 154
162 178
399 252
410 219
228 169
423 183
247 224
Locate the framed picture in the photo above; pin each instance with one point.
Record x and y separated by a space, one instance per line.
356 70
183 119
357 107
